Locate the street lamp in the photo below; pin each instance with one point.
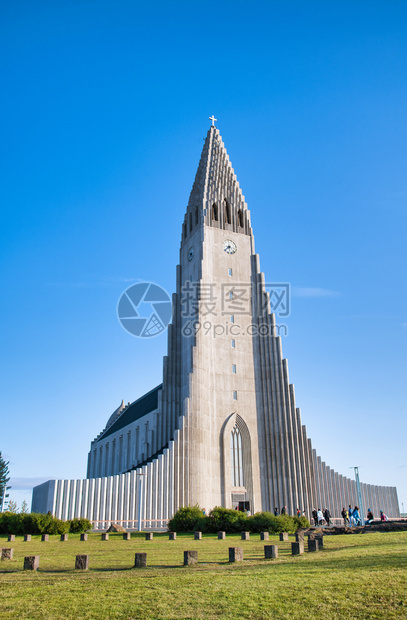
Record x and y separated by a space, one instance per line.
359 492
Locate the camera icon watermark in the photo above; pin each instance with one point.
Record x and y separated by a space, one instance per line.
144 309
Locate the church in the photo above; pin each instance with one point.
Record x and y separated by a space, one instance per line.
223 428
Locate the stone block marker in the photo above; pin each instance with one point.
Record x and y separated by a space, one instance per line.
313 544
64 537
319 538
149 535
44 537
264 535
27 538
197 535
299 536
140 560
7 553
235 554
245 535
190 557
116 527
11 538
104 536
31 562
221 535
127 536
283 536
172 535
82 562
297 548
270 552
84 537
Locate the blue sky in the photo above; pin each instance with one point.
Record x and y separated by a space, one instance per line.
105 106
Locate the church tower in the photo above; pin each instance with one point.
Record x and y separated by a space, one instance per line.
240 437
210 342
223 428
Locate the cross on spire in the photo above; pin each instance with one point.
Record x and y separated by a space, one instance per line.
213 119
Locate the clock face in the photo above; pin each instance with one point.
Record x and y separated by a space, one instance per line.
229 246
190 253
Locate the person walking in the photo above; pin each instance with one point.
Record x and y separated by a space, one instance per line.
356 516
320 517
315 517
327 516
276 513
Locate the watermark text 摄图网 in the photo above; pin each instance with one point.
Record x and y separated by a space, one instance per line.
210 299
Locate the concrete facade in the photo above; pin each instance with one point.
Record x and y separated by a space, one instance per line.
223 429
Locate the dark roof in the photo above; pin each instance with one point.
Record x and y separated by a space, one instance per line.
135 411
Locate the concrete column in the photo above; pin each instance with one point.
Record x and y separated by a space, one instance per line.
103 493
84 498
114 494
78 500
278 485
96 513
154 488
65 495
120 496
311 460
91 499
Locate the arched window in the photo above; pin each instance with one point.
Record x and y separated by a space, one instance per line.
227 212
240 218
214 212
236 455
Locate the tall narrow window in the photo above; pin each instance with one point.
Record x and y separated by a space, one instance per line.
232 318
230 272
190 222
236 454
184 229
240 218
233 344
230 294
227 212
214 212
234 368
196 216
234 395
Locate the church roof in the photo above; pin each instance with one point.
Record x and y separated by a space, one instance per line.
136 410
215 178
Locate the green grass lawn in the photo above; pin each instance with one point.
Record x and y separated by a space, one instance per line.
354 576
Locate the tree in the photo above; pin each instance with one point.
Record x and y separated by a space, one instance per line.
12 506
4 478
24 508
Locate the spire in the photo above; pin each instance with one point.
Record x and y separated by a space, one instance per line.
115 414
216 191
